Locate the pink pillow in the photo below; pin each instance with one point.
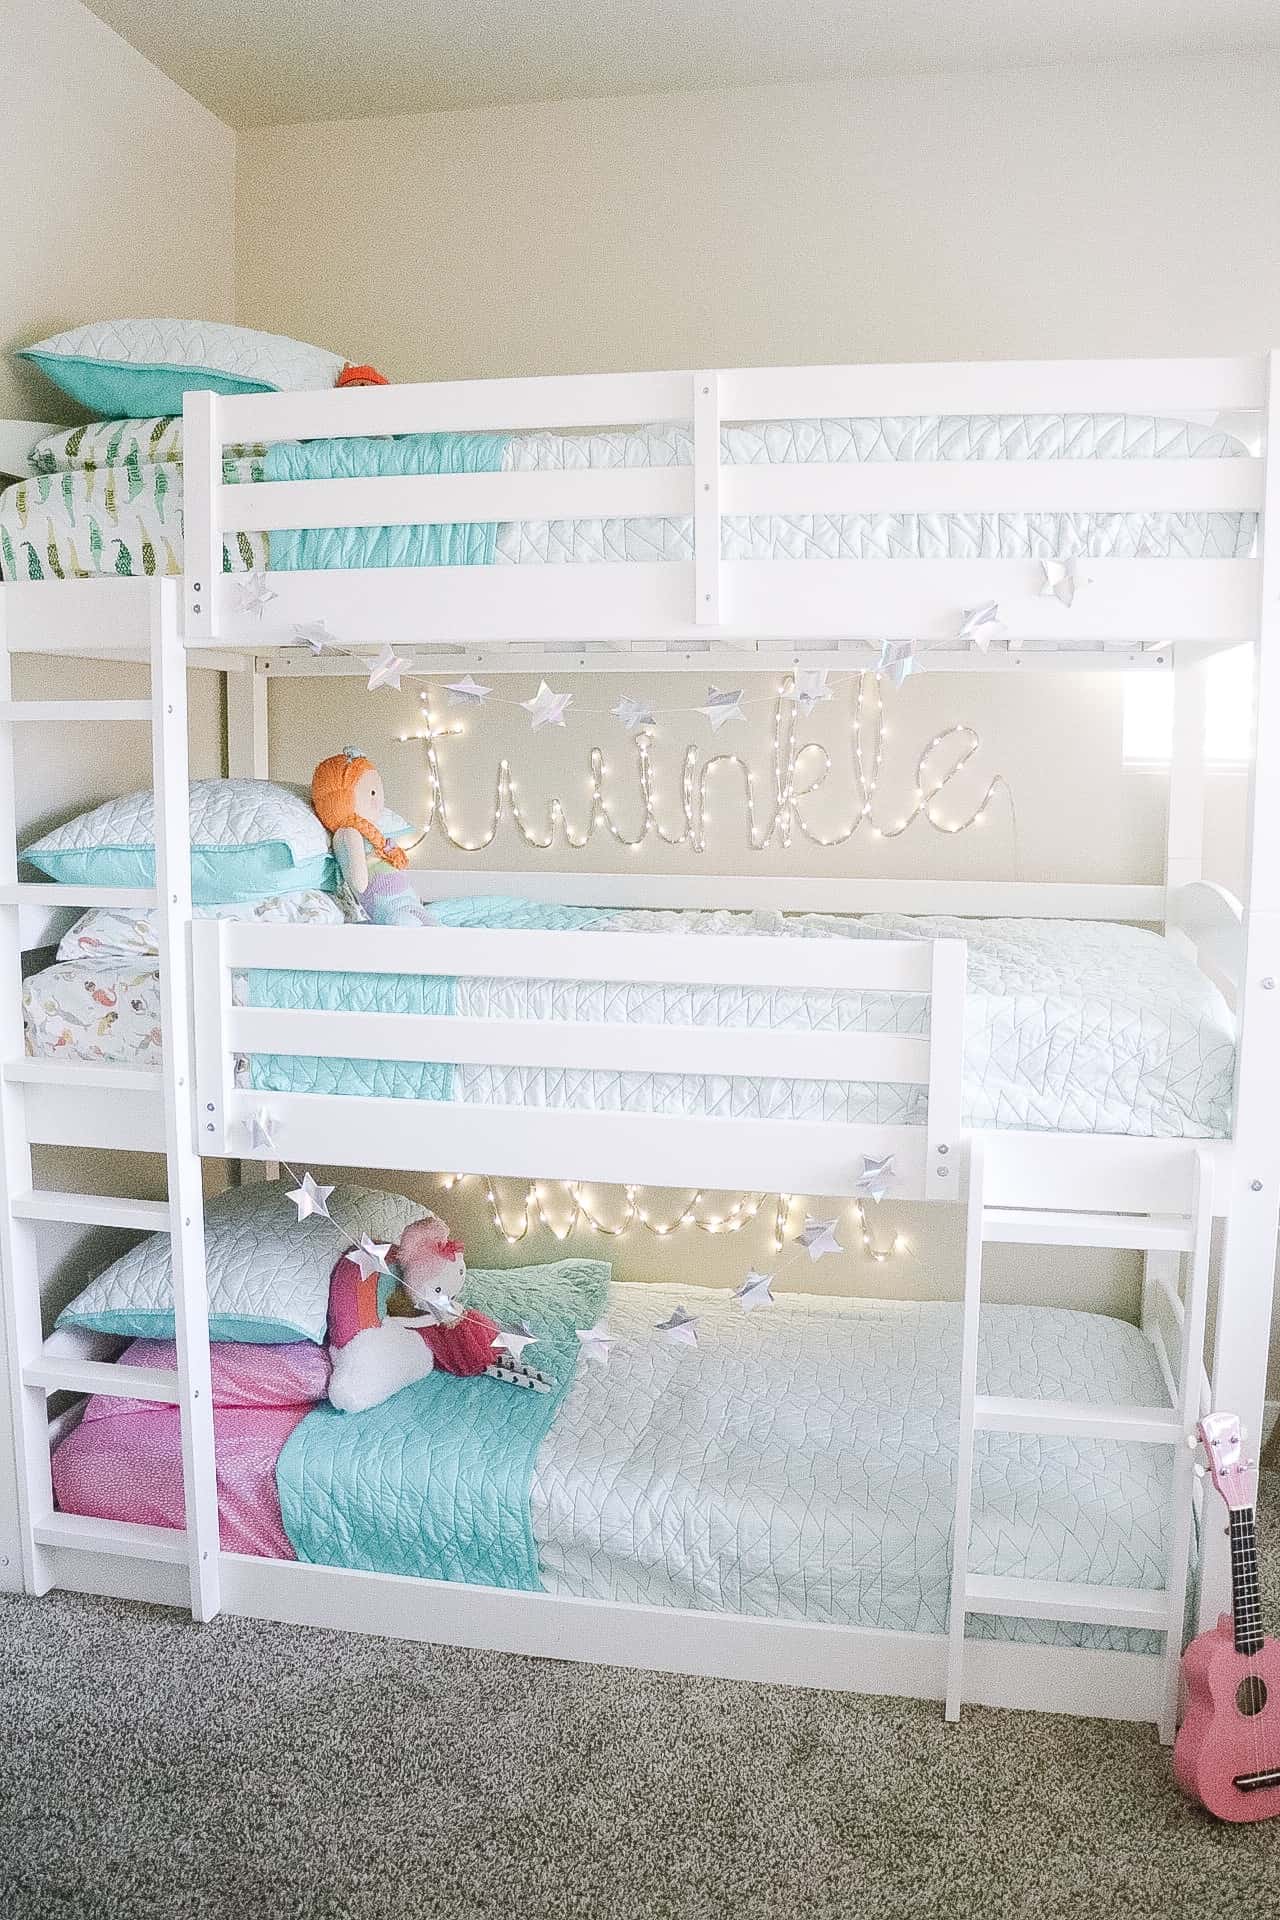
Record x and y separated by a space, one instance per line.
292 1374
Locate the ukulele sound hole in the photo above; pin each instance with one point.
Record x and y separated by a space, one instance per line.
1251 1695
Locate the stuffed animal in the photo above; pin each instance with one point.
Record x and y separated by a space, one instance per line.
381 1341
347 796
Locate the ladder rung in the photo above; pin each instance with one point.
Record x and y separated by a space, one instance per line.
85 1535
48 893
995 1413
1033 1226
83 1073
61 1373
93 1210
1067 1600
39 711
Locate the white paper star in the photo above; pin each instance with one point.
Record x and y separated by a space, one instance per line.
876 1178
308 1198
253 594
386 669
982 624
596 1342
546 709
1060 581
259 1127
467 692
897 660
633 714
514 1340
370 1257
754 1292
819 1237
808 688
680 1330
439 1309
316 635
720 707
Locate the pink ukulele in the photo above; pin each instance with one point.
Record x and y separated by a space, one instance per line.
1227 1754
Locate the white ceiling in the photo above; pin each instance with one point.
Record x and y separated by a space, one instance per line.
266 62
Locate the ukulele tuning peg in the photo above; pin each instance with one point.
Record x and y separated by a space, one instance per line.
1200 1471
1193 1441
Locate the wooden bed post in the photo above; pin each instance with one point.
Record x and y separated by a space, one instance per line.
247 721
1249 1249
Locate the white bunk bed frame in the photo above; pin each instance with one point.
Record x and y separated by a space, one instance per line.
1158 1196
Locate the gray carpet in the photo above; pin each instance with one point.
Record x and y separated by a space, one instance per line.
151 1767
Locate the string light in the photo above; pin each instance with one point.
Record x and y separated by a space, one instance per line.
798 773
577 1215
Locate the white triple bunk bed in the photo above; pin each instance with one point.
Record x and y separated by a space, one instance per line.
1160 1196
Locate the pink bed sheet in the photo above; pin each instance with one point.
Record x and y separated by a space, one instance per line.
124 1460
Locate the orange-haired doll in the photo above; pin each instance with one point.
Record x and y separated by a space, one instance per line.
346 792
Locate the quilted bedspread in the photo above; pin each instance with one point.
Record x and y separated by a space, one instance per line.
108 498
435 1481
1075 1026
798 1463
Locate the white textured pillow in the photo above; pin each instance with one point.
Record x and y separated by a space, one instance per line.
268 1272
250 839
129 369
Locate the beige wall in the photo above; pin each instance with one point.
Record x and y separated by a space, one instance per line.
118 191
895 219
1089 210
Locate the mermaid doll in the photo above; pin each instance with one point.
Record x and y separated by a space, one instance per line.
347 795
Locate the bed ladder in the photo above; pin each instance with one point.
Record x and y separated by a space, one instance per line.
47 1537
1185 1237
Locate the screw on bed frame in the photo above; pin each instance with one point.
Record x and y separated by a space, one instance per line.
1255 1186
1268 984
944 1149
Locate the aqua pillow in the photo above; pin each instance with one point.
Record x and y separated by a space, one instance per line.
131 369
268 1272
249 839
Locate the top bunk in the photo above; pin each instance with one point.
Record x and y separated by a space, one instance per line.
985 515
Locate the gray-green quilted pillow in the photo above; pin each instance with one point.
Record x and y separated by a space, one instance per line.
268 1272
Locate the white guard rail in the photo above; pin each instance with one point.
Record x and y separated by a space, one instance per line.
1129 601
817 1157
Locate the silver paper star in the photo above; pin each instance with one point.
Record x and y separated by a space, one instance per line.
818 1237
754 1292
439 1309
595 1342
897 660
876 1178
680 1329
1060 581
309 1198
720 707
982 624
253 595
316 635
467 692
808 688
633 714
546 709
259 1127
370 1257
385 670
514 1340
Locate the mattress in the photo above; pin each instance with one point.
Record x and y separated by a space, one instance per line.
797 1464
1071 1026
108 498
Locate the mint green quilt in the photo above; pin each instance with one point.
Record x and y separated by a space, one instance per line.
435 1482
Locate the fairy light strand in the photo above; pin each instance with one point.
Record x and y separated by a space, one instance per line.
775 818
575 1215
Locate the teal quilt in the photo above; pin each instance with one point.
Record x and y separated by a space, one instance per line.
436 1481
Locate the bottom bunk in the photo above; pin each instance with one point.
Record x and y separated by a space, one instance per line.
792 1464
